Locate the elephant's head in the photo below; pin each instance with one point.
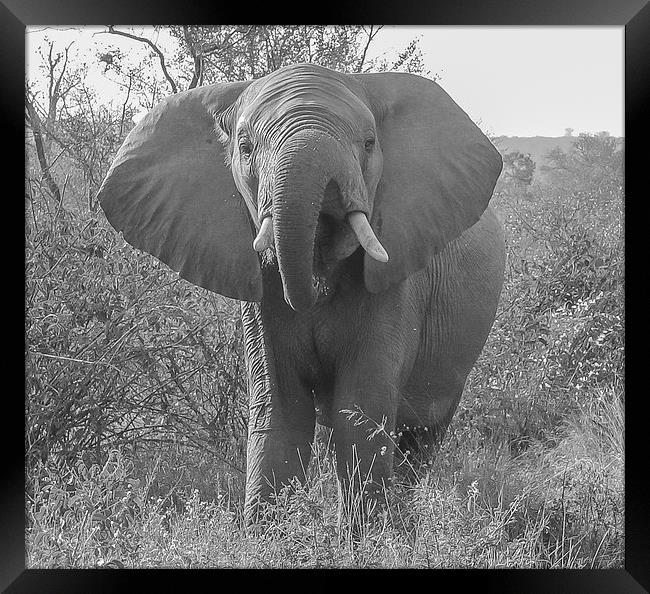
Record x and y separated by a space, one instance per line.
324 163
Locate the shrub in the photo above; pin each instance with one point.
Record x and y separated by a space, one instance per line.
83 516
559 334
121 352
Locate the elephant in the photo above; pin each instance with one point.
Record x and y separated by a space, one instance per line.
349 215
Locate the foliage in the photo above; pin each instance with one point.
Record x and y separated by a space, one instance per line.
208 54
82 513
593 165
244 52
410 59
559 335
517 175
120 351
75 134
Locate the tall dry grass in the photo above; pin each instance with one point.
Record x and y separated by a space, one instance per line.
557 507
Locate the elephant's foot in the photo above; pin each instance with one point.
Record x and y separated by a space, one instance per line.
364 468
416 449
273 464
363 499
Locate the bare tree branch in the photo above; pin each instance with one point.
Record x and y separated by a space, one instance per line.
153 46
126 100
55 86
371 33
196 58
35 124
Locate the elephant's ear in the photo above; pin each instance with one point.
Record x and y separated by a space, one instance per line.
439 173
171 194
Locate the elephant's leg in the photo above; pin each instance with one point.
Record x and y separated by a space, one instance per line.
363 425
419 437
281 418
279 443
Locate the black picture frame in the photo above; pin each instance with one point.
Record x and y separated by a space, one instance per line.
634 15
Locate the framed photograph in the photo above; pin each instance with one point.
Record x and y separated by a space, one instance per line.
328 296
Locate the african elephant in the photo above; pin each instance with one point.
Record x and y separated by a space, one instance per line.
348 213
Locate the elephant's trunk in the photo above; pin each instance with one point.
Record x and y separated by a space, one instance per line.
306 165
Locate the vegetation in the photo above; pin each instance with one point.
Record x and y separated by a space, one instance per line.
135 392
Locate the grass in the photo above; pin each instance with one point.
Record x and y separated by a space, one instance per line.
558 507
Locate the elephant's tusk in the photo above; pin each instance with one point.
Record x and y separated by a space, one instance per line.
264 239
366 236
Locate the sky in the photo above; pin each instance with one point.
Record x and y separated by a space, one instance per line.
528 81
512 81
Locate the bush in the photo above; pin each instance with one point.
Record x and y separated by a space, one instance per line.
558 336
121 352
83 516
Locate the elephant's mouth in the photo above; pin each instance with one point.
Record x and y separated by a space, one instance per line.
334 241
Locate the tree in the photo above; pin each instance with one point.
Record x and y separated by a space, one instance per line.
517 174
41 119
70 126
244 52
208 54
410 59
519 166
593 165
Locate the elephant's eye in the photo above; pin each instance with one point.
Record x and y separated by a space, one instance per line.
245 146
369 144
